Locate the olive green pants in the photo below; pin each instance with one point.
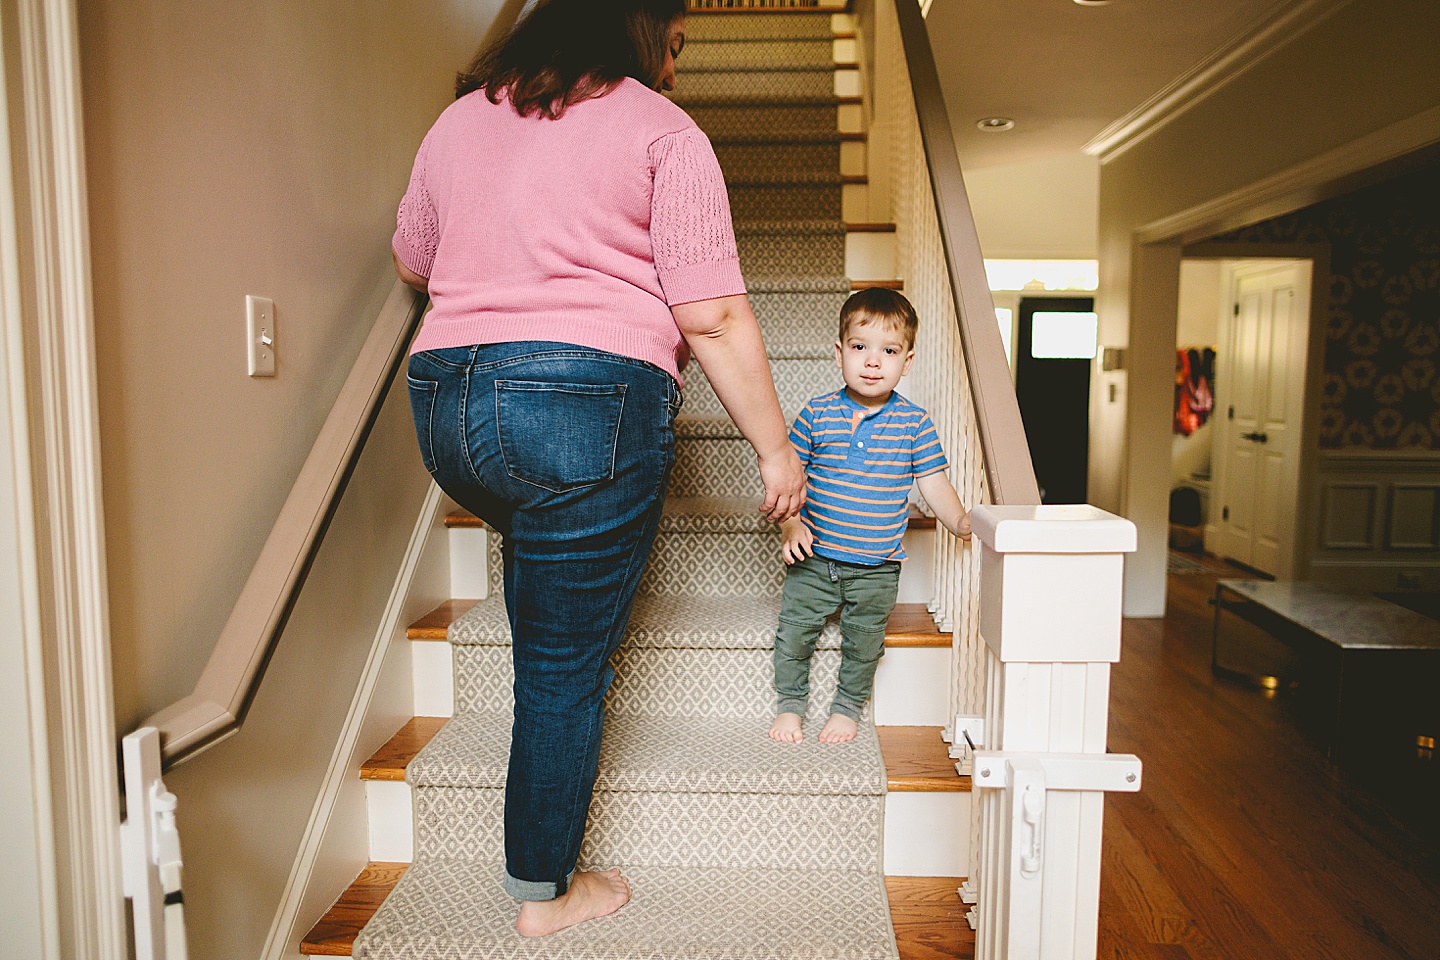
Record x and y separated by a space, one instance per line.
814 589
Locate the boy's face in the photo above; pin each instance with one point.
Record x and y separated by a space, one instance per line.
872 360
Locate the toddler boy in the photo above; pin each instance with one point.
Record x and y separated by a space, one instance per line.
863 446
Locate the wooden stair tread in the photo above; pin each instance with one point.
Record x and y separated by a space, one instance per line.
910 624
882 284
929 918
335 934
390 761
927 913
436 624
859 226
918 760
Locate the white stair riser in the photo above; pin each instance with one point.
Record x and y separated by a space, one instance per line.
870 256
469 565
851 118
855 202
926 834
852 158
910 684
846 51
847 83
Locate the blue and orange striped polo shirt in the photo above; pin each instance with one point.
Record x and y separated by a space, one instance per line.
861 465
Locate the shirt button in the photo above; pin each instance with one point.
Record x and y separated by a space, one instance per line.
860 445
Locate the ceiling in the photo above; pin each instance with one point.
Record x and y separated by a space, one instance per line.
1065 72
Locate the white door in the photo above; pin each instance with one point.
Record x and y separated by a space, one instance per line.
1261 396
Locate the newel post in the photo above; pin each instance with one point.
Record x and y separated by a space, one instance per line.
1050 586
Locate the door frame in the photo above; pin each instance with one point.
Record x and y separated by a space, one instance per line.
1299 548
53 442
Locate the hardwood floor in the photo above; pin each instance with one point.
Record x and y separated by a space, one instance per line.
1245 843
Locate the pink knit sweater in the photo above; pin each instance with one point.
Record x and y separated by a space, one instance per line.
584 230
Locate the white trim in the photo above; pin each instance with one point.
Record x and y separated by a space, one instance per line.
284 932
1320 178
63 414
14 404
1229 61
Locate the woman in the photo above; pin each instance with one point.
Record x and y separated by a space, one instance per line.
572 229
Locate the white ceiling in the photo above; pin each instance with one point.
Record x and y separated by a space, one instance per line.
1065 72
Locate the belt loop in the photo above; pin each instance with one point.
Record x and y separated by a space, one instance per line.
834 573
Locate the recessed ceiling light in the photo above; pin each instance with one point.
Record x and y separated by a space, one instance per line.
1094 3
995 124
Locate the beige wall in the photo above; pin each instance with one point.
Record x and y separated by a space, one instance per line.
243 148
233 149
1370 65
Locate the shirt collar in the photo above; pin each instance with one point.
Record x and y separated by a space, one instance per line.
869 412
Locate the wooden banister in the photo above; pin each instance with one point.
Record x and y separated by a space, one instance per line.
1009 472
217 706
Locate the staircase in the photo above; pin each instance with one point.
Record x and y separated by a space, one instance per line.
735 846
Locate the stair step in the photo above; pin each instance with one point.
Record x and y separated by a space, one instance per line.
881 284
910 623
927 914
456 908
916 759
464 519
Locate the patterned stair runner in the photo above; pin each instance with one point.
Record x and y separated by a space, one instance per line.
735 846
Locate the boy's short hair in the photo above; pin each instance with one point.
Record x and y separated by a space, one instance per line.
880 305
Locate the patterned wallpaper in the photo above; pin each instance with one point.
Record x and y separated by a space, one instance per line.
1381 387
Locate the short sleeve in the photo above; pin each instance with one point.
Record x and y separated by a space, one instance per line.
802 435
927 456
691 234
417 224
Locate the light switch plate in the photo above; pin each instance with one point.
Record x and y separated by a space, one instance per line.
260 333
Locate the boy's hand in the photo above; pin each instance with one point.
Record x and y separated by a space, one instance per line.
798 542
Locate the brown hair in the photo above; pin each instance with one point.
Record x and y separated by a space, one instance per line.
879 305
565 51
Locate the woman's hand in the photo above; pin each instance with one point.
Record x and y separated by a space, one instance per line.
797 541
784 480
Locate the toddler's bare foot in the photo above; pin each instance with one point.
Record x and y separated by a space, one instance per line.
838 729
786 728
591 895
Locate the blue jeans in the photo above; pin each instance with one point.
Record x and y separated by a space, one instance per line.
566 452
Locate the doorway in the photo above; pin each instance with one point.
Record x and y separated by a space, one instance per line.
1055 348
1262 334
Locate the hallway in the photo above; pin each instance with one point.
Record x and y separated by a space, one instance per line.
1244 842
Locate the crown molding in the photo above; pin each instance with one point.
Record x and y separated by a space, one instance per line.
1312 181
1281 26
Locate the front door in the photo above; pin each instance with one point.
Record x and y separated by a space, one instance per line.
1262 399
1052 382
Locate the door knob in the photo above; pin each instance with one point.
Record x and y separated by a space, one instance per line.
1257 437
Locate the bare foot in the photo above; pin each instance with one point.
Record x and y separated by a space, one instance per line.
786 728
591 895
838 729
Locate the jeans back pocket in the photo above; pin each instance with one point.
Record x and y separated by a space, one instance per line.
422 408
559 436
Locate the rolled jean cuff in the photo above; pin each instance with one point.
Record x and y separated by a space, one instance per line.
846 710
796 707
536 889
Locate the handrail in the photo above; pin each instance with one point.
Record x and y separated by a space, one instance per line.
217 706
1009 472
